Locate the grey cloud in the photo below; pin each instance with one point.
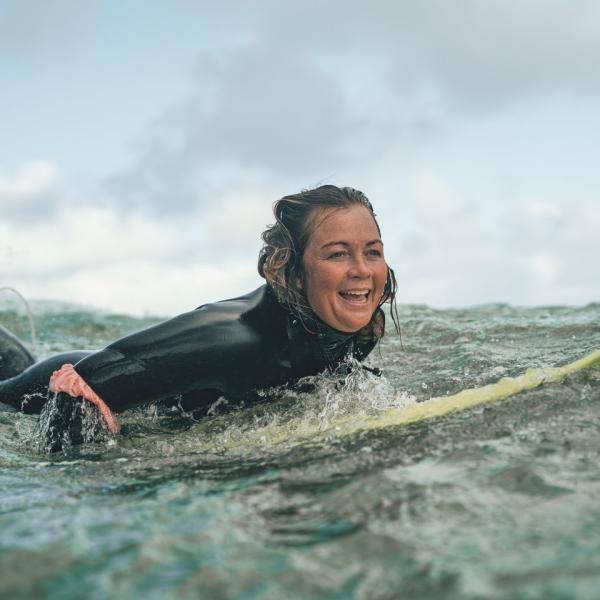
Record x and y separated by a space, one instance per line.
480 54
32 194
271 109
260 113
36 209
29 27
494 53
328 87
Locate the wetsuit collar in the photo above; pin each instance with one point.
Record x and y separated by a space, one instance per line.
313 345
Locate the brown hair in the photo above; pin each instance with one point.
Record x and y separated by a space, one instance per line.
280 258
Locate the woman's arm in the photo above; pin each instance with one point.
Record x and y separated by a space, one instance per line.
28 391
208 348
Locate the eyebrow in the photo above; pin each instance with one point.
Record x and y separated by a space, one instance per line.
342 243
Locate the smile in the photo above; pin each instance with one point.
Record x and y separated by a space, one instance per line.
355 296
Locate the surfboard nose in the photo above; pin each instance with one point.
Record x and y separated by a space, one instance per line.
14 356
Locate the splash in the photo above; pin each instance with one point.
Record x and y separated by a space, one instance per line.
306 413
64 422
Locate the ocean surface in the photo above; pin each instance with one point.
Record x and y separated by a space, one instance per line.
501 501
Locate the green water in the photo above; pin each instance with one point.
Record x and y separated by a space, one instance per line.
500 501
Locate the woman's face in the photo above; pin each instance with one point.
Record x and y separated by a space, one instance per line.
344 267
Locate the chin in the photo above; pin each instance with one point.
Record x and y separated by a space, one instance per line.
353 325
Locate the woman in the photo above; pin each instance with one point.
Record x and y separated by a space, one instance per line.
326 280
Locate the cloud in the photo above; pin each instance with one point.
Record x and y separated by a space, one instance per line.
30 28
476 55
30 193
343 92
146 287
131 261
435 200
332 89
256 116
233 224
30 180
534 252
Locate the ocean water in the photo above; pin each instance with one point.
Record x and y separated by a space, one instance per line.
501 501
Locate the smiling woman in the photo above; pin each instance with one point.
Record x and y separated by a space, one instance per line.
327 280
344 270
324 249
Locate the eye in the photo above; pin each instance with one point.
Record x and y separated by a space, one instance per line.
338 254
374 252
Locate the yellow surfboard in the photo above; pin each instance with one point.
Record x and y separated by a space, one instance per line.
438 407
221 434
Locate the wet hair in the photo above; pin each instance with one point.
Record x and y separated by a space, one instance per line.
280 260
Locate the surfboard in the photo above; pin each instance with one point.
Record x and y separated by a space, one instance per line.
438 407
221 434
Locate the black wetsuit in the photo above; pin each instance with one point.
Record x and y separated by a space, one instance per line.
230 348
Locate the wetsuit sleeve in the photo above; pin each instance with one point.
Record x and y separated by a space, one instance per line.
205 349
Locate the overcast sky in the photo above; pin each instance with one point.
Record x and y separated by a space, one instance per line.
142 143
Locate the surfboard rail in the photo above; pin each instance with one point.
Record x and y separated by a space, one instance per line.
440 406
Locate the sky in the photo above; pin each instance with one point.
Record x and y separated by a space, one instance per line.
143 143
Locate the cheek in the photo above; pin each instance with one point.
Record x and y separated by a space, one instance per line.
380 278
327 276
320 280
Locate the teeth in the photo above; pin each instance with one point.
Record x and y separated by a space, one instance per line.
357 294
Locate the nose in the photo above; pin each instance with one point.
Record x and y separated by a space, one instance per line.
359 268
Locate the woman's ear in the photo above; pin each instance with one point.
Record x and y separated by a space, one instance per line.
299 282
